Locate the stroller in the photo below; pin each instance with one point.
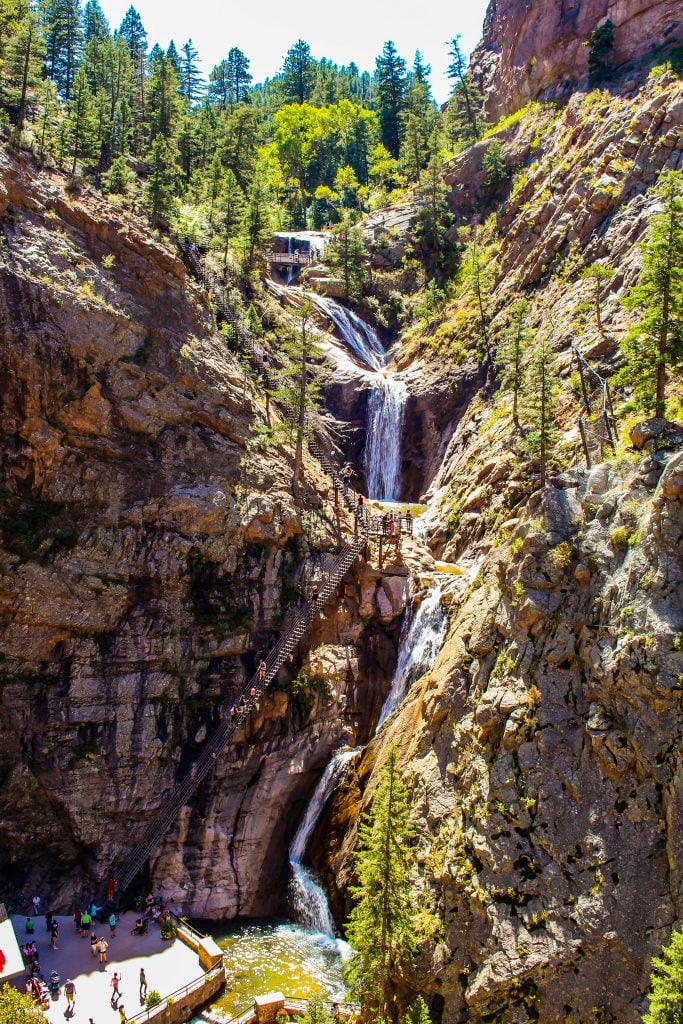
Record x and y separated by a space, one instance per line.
54 984
141 926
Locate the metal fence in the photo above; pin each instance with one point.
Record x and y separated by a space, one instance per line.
176 997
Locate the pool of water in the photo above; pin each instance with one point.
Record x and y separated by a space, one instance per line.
278 956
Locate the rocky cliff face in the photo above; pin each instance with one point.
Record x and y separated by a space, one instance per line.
149 548
542 750
538 51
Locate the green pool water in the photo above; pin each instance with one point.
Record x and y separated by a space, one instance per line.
278 956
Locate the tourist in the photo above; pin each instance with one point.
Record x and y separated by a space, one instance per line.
315 594
243 704
94 911
54 935
252 692
262 670
112 924
29 926
48 921
70 993
122 1015
409 522
233 712
77 919
93 943
102 947
115 992
111 889
86 921
360 508
36 906
143 984
346 474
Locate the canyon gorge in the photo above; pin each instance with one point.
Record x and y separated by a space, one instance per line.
521 647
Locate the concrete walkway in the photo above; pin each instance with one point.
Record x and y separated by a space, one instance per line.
168 966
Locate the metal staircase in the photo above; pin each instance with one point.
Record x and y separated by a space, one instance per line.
295 627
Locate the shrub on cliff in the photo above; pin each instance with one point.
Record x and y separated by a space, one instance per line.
666 993
18 1008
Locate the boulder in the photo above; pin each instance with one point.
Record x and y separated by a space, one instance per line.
655 429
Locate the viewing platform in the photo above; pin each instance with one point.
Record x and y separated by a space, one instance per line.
292 259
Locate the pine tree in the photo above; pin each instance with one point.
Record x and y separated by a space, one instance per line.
298 72
463 117
541 385
23 70
653 348
417 1013
49 119
64 40
173 56
95 25
420 119
666 984
390 72
239 78
119 177
597 273
190 77
229 212
316 1011
494 166
380 927
477 276
81 127
511 353
219 88
133 33
164 104
299 381
346 254
159 192
434 216
256 220
600 46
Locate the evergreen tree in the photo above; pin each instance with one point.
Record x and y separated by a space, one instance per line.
81 127
347 256
49 119
132 31
299 381
434 219
541 385
219 88
420 119
239 78
653 348
511 353
298 72
164 105
477 276
173 56
390 71
598 273
256 220
464 117
380 927
23 69
316 1011
119 178
228 213
190 78
417 1013
159 192
18 1008
666 984
95 25
64 40
494 166
239 138
600 48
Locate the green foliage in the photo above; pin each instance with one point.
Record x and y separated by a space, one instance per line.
598 273
417 1013
18 1008
478 271
316 1011
380 927
600 47
464 118
153 999
653 347
541 385
158 196
666 984
119 178
392 81
510 354
494 166
346 255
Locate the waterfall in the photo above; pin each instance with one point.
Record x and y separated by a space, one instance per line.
422 635
386 404
307 896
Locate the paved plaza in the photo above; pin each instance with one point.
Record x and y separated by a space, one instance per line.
168 966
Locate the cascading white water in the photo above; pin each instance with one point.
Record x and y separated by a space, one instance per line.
308 900
386 405
422 636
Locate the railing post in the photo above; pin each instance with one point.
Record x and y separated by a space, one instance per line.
584 439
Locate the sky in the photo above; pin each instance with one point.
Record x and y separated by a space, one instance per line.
343 31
